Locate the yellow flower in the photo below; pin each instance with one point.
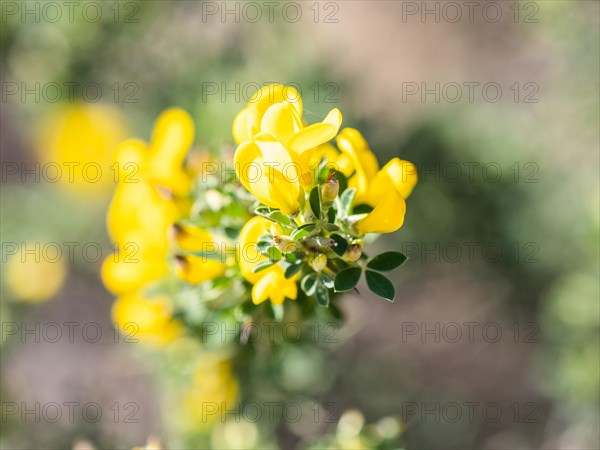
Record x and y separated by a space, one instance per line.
269 283
356 161
385 190
275 151
198 269
31 277
148 320
140 210
214 389
144 207
190 238
386 217
172 138
132 268
80 141
402 175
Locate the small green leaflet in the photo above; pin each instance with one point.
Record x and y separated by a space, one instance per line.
293 269
347 279
262 266
387 261
322 293
341 245
315 202
346 200
309 284
380 285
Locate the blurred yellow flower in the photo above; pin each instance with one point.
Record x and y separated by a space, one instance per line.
269 283
148 200
198 269
146 319
214 389
32 277
76 144
276 148
132 268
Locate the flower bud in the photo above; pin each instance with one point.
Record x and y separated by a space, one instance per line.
330 189
285 244
318 262
353 253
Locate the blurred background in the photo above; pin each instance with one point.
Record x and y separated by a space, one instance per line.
493 340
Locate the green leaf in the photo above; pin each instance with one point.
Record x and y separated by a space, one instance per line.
347 279
330 216
274 254
263 246
342 180
293 269
315 202
263 211
309 284
346 200
331 226
322 294
291 257
279 217
387 261
262 266
302 231
341 244
380 285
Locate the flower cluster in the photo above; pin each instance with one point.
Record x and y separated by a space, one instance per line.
289 221
317 200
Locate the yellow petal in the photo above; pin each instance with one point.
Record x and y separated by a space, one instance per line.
191 238
275 93
290 287
247 253
79 134
274 154
351 141
139 207
172 137
386 217
198 269
356 152
369 163
263 288
344 164
274 286
148 320
402 175
122 273
246 124
31 278
131 156
278 121
317 133
269 185
246 168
